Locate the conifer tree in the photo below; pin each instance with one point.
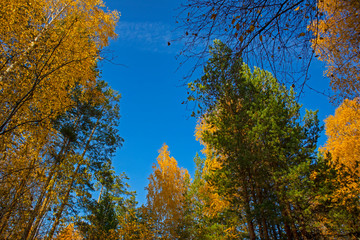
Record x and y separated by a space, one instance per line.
259 143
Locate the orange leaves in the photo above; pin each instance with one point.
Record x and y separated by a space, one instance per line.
251 28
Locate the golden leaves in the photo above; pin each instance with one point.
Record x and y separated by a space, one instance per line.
166 189
49 66
343 131
48 48
69 233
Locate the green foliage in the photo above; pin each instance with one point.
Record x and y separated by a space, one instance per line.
102 218
266 149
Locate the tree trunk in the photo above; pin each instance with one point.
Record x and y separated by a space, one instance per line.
70 186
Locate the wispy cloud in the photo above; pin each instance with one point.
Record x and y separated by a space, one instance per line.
151 36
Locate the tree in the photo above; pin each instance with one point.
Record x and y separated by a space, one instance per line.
342 130
47 47
276 30
259 142
79 150
165 197
211 215
337 44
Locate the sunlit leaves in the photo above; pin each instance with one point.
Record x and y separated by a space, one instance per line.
343 131
342 149
165 198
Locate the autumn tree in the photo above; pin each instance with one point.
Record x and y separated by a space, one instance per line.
337 44
342 130
49 48
135 224
165 197
60 178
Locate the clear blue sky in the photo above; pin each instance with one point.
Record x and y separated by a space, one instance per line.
150 85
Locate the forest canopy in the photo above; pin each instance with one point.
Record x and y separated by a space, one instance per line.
261 173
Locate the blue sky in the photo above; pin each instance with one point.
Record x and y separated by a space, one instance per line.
144 71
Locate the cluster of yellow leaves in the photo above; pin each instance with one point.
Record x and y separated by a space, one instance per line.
337 43
343 131
214 203
69 233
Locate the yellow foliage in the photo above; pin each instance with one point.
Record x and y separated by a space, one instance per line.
47 48
343 132
337 43
166 194
69 233
214 203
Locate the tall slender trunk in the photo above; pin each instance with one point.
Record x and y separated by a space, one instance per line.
265 231
102 186
250 224
48 187
35 227
70 186
292 224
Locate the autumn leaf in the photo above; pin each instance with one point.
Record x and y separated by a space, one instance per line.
301 34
